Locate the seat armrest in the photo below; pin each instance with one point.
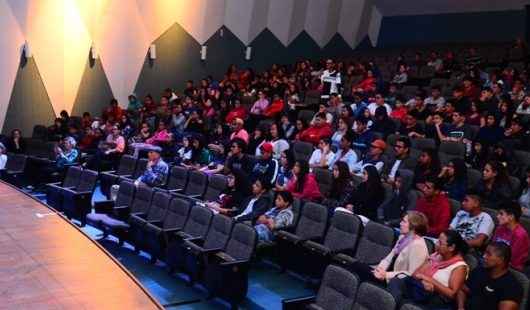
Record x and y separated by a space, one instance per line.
177 190
171 230
104 206
234 263
157 223
109 172
195 197
76 193
211 252
297 303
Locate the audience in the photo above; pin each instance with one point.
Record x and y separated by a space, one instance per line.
303 185
279 217
435 205
255 205
475 227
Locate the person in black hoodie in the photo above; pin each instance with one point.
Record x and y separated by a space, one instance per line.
257 204
369 195
382 123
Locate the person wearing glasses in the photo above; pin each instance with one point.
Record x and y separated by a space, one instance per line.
402 159
379 102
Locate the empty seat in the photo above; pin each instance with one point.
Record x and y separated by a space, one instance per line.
302 150
341 237
54 195
40 132
215 240
178 177
14 169
196 226
337 290
141 165
117 224
455 207
306 115
375 243
156 214
226 272
453 149
217 184
77 201
197 182
373 297
324 179
473 178
158 234
109 178
106 208
525 284
311 226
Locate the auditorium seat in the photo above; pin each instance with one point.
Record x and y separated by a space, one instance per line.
226 272
137 222
109 178
375 243
373 297
141 165
338 290
423 143
525 284
473 178
217 184
157 235
324 178
117 225
302 150
14 169
195 249
106 208
342 237
54 197
450 149
77 201
196 186
178 178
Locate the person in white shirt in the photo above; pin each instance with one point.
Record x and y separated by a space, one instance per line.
435 100
322 156
331 79
345 152
3 156
475 226
379 101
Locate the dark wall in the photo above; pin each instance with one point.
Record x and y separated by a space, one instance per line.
94 90
29 103
499 26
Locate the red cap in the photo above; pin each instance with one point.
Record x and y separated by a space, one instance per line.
266 147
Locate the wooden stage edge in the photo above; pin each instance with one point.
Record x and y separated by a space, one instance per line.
46 262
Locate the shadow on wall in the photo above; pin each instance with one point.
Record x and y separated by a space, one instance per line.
29 103
178 57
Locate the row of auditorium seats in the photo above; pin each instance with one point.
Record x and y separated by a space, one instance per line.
211 249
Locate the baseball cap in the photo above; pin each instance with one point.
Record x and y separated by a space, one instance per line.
266 147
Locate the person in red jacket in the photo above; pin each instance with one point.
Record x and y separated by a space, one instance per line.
435 205
275 108
238 111
367 84
318 131
303 185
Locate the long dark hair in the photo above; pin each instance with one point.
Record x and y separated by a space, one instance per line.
374 179
300 178
460 168
502 174
340 183
454 239
242 185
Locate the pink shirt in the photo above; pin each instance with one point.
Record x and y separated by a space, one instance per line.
159 136
241 134
119 141
259 106
518 241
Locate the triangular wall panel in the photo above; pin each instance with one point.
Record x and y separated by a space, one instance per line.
94 90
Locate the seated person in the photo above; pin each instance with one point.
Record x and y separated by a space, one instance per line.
279 217
322 156
184 152
345 152
374 157
511 232
341 188
318 130
303 185
237 159
369 195
257 204
435 205
393 208
402 159
266 167
494 188
238 189
156 171
111 149
524 199
436 283
492 286
410 251
3 156
285 172
363 136
475 226
67 154
428 167
454 178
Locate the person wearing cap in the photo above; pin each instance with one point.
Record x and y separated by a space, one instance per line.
266 167
3 156
374 157
68 154
156 172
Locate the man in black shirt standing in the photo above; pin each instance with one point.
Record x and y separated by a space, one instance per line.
492 286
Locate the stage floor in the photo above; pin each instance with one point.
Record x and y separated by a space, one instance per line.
47 263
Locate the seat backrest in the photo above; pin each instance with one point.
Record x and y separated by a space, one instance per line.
338 289
306 115
197 182
324 179
473 177
242 242
453 148
87 181
407 177
219 232
141 165
373 297
525 283
142 199
73 175
177 213
515 185
159 205
198 222
178 177
127 165
455 207
313 221
125 195
217 184
375 243
40 132
302 150
422 143
16 162
343 232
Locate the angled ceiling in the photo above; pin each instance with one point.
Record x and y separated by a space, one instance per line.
423 7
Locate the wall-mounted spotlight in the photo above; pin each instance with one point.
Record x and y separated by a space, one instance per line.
248 53
93 52
203 52
152 52
26 50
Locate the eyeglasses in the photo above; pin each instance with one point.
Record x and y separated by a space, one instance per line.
397 146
